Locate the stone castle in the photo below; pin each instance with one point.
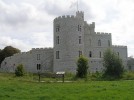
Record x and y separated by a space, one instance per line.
73 37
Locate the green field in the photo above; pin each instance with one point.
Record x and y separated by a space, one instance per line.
12 88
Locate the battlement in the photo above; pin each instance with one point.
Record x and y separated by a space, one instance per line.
79 12
64 17
36 49
21 53
119 46
102 33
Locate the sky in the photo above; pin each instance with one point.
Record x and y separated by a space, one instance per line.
27 24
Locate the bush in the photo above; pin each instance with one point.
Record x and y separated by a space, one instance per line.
82 66
128 76
19 71
113 65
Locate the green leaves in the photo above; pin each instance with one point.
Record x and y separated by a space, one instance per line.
113 64
19 71
82 65
8 51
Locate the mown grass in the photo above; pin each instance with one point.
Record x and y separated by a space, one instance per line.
24 88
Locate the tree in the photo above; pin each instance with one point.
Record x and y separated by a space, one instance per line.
82 66
113 64
8 51
19 71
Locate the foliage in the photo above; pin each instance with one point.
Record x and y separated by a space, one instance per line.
8 51
128 75
19 71
96 76
82 66
113 65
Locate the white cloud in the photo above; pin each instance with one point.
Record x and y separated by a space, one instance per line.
27 23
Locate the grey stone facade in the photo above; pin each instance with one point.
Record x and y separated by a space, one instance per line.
72 37
75 37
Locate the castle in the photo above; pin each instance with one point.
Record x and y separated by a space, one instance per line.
72 37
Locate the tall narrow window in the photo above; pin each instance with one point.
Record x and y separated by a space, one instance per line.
38 56
90 42
38 66
99 42
100 54
80 53
118 54
90 54
109 43
57 55
57 40
79 28
79 39
57 28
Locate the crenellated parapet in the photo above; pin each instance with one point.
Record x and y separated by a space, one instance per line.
102 33
119 46
64 17
79 12
21 53
41 49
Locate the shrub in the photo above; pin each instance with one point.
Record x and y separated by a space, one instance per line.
19 71
82 66
113 65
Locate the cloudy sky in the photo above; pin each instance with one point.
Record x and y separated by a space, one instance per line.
27 24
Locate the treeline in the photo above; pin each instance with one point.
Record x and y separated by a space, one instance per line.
7 51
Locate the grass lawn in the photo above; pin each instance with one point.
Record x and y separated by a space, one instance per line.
12 88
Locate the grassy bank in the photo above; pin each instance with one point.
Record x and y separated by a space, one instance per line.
12 88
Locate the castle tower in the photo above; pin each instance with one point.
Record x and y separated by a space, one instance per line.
68 41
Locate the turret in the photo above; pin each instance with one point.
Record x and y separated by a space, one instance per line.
80 14
68 41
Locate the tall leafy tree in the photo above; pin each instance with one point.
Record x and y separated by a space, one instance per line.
8 51
82 66
113 64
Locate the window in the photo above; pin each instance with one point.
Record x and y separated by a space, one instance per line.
38 66
130 67
79 39
57 55
99 42
80 53
100 54
57 28
90 54
90 42
5 63
38 56
109 43
79 28
57 40
118 54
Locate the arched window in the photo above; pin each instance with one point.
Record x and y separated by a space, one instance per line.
99 42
